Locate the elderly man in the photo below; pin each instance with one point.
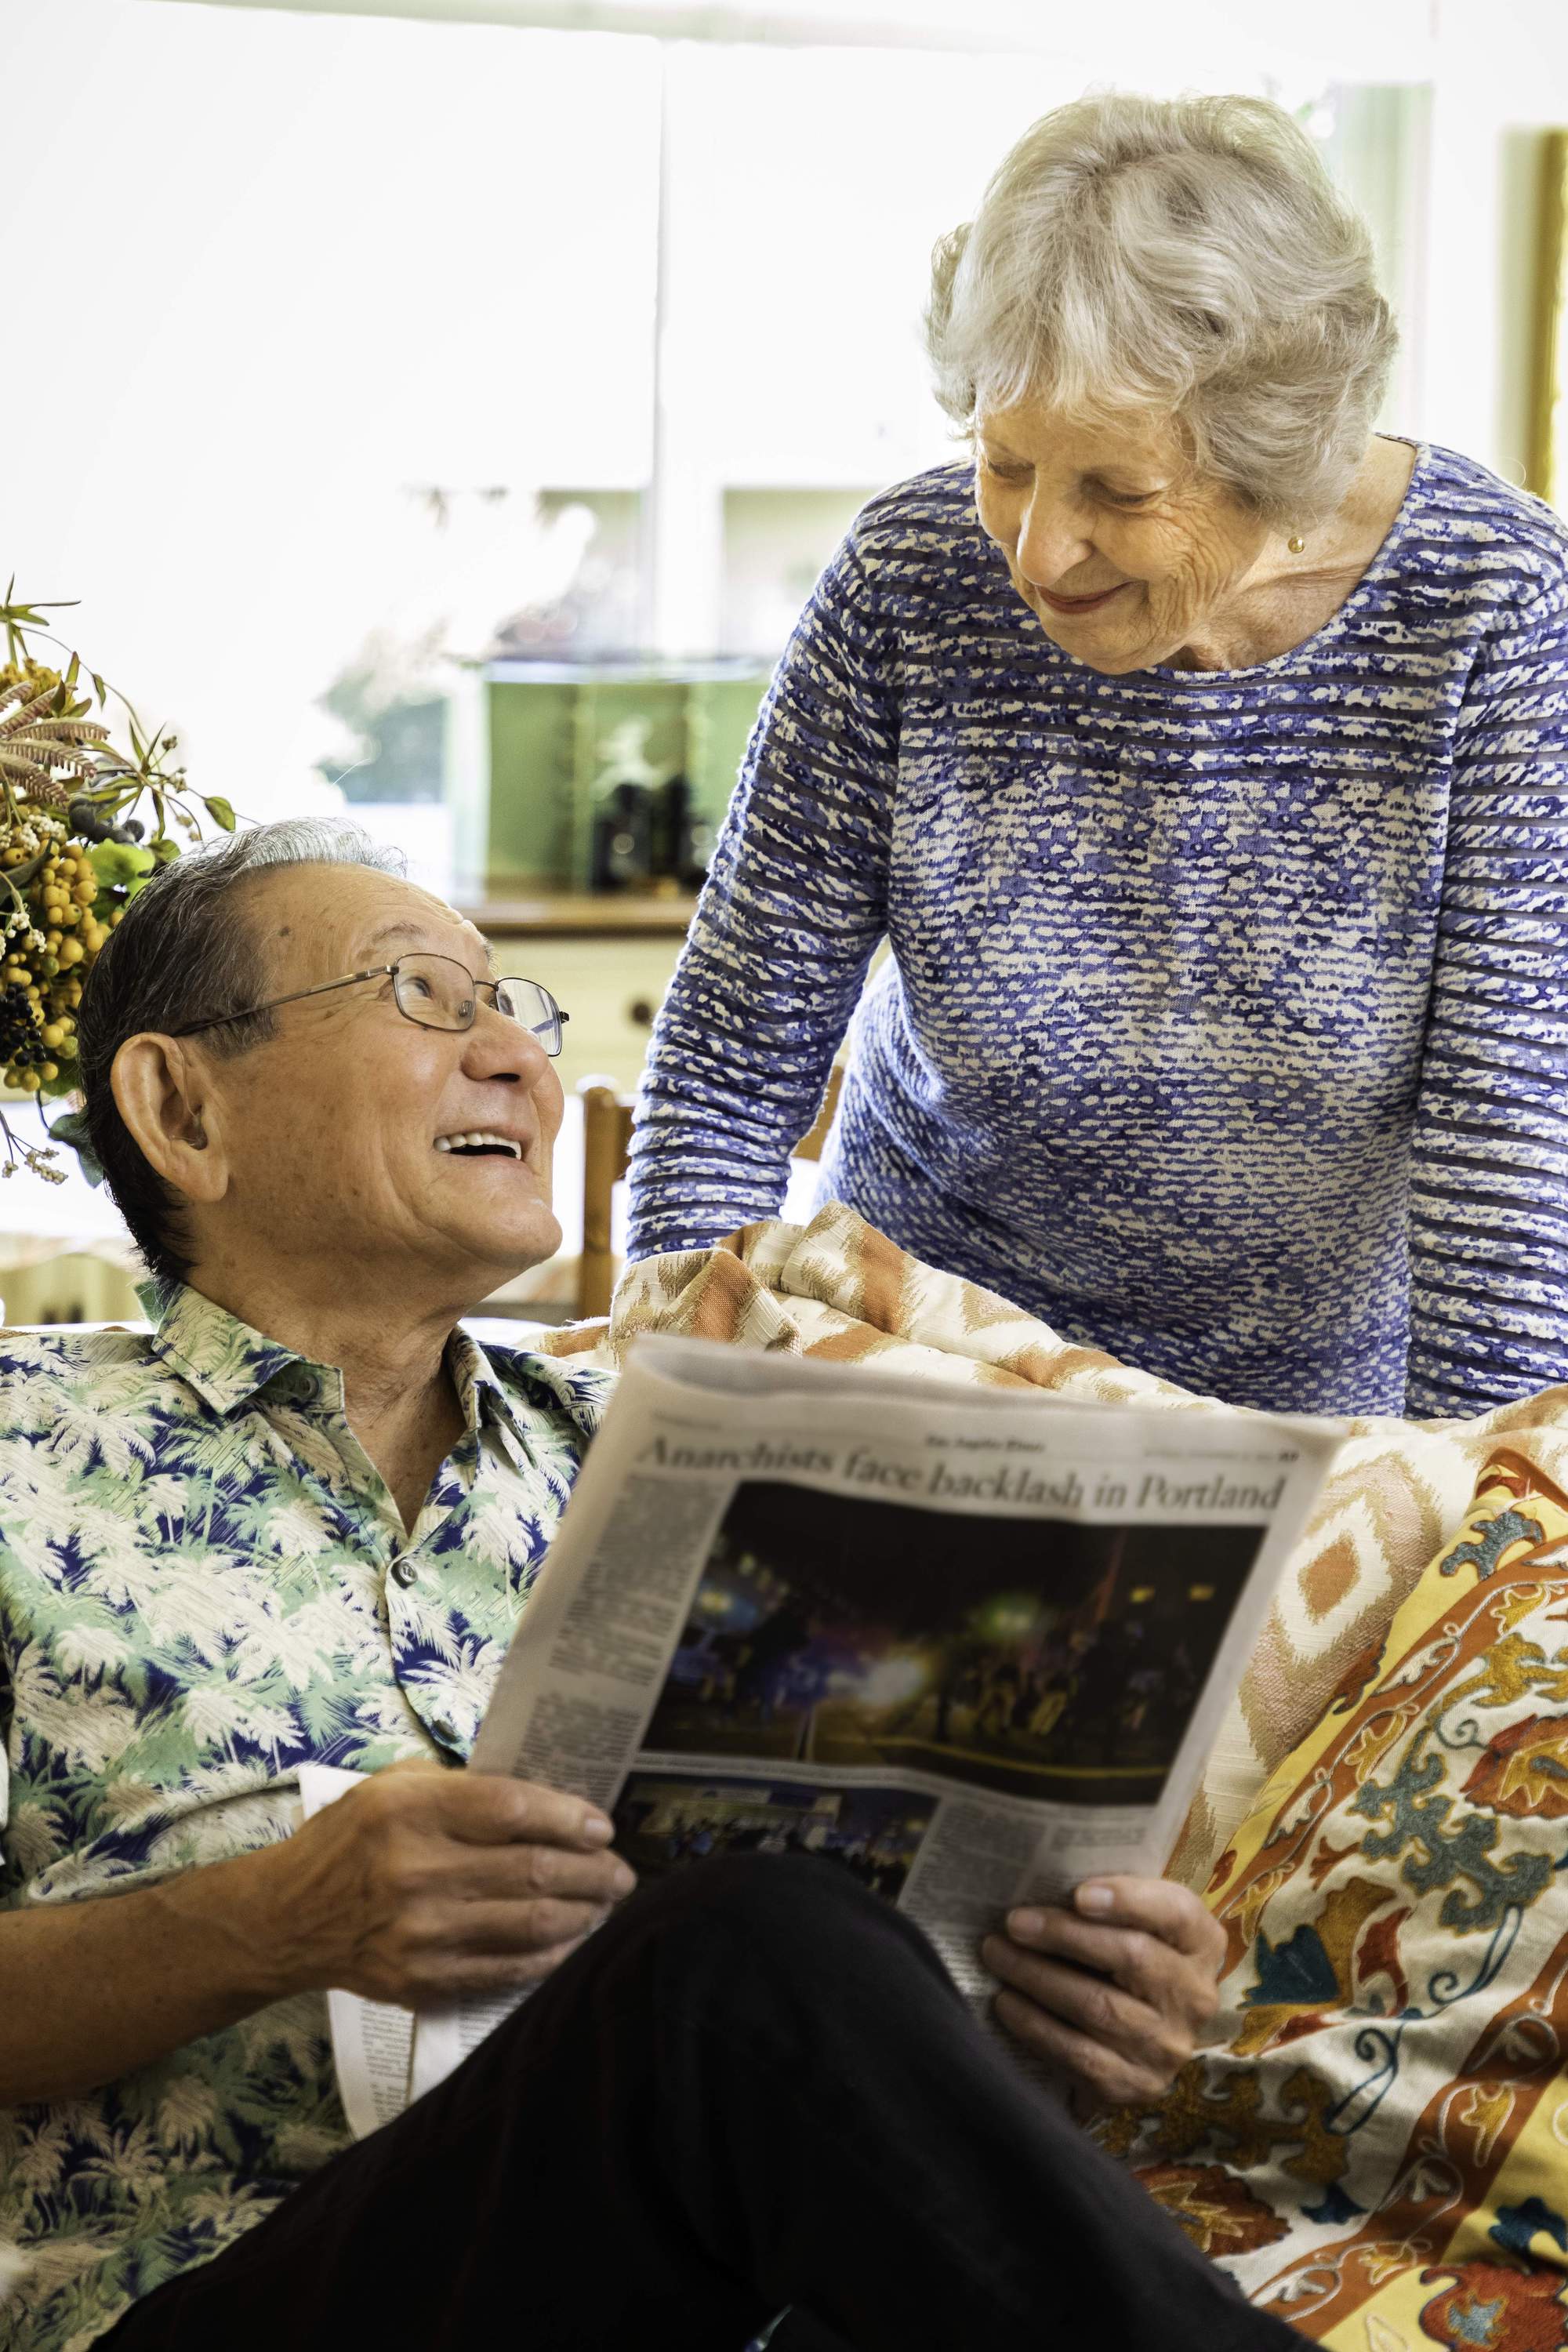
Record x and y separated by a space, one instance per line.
299 1521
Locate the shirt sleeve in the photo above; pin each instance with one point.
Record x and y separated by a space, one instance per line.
793 908
1489 1211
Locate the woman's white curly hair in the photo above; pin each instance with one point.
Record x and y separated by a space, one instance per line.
1183 257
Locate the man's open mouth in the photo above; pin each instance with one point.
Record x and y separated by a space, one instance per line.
481 1144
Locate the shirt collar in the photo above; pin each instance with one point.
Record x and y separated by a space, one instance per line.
222 1359
481 1389
523 1384
227 1363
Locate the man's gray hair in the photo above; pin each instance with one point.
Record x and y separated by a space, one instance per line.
1187 258
183 952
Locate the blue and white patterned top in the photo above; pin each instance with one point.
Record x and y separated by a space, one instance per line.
203 1584
1226 1021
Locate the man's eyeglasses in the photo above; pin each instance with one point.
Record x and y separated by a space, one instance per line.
435 992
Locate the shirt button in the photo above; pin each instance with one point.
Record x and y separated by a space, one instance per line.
405 1573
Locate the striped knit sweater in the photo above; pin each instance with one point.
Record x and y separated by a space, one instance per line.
1226 1025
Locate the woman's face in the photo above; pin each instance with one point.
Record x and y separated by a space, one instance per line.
1124 556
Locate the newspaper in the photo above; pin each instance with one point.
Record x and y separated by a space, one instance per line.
972 1646
372 2041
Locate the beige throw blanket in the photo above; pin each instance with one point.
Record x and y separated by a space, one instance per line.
837 1288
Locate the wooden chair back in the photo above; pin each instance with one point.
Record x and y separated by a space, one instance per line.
607 1147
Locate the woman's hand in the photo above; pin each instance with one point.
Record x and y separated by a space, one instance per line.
1114 1992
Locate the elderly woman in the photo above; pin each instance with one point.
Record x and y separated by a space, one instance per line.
1198 756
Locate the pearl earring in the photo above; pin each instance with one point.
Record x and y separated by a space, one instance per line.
1295 542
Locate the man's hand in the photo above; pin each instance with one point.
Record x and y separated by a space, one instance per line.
1114 1992
426 1884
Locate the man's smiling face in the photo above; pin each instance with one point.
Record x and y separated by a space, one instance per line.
339 1134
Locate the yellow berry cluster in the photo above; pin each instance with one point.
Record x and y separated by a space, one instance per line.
44 966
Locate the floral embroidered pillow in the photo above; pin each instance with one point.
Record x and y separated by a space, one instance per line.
1377 2147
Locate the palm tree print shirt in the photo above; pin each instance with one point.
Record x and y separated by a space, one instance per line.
205 1583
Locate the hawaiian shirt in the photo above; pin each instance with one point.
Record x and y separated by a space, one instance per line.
204 1583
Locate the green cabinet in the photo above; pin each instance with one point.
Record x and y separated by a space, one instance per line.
561 737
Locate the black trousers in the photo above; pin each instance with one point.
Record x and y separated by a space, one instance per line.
754 2088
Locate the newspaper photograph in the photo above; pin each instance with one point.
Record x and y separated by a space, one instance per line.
971 1647
1063 1665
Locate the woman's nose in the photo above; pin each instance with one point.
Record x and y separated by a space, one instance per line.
1052 540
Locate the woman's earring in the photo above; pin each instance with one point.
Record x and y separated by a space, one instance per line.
1295 542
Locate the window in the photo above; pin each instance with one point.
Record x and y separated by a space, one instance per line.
351 294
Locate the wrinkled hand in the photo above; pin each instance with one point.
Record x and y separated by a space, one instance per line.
1114 1992
428 1883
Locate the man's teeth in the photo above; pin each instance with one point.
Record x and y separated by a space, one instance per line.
480 1140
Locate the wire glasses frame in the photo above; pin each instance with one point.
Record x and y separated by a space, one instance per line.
434 991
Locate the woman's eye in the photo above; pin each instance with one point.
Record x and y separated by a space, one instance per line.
416 980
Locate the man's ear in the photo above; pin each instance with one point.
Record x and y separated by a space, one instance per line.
160 1093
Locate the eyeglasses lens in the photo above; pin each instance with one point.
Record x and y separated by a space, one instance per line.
525 1001
437 992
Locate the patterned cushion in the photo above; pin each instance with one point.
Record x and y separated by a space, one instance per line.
1378 2148
839 1289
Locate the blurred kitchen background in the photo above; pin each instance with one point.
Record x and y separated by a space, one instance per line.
441 408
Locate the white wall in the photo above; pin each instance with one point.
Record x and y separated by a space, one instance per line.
1499 72
1501 77
299 269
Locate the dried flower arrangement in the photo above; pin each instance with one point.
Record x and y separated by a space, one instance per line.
73 854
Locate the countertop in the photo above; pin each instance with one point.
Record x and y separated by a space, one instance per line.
578 914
